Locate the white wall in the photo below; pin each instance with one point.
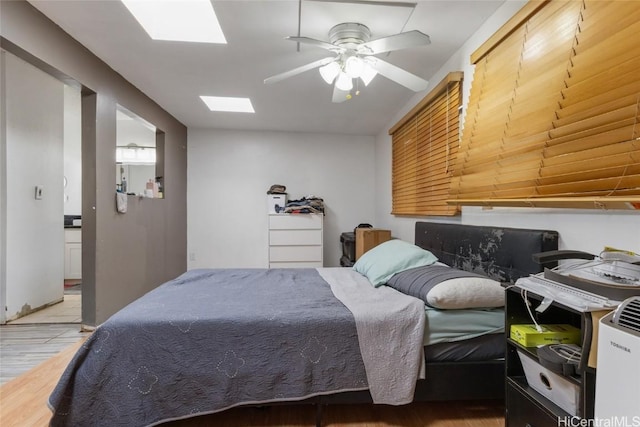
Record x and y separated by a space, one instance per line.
229 173
588 230
34 156
72 151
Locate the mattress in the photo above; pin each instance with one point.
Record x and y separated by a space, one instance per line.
480 348
468 335
444 326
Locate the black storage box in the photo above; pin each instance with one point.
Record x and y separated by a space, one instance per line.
348 240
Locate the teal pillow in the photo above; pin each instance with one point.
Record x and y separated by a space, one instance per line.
393 256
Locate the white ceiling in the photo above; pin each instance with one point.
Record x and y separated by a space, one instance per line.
175 74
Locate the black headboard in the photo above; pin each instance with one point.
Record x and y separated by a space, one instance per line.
501 253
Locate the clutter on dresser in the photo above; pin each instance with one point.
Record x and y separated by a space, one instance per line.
277 189
306 204
276 202
276 198
279 202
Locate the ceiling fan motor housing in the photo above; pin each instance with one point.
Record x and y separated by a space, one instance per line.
349 35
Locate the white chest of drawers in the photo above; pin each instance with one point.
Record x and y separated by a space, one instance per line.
295 240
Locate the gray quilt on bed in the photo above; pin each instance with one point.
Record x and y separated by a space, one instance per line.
258 357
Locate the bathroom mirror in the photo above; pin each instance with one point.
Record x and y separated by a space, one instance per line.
137 155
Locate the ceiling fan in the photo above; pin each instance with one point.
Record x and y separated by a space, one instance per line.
354 59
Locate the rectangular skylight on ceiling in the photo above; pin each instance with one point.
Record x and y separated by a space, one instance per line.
177 20
230 104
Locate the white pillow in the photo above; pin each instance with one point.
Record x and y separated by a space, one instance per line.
466 292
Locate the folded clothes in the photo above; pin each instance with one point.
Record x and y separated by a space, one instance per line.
277 189
310 204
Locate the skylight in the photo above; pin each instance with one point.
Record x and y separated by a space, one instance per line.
177 20
235 105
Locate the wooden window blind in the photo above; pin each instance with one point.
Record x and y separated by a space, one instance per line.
424 147
554 111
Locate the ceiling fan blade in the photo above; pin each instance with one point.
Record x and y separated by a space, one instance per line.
397 74
298 70
315 42
339 95
396 42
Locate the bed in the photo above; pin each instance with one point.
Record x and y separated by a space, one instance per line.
210 340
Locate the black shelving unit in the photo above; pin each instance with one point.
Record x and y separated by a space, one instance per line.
525 407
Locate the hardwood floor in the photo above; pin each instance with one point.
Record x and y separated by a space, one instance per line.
34 338
23 347
23 403
23 400
432 414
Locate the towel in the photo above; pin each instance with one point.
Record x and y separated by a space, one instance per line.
121 202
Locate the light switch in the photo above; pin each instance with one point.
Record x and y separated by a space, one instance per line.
39 191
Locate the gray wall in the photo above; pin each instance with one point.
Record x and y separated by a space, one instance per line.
124 256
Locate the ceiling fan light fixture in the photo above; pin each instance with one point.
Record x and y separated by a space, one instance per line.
344 82
354 66
330 71
353 50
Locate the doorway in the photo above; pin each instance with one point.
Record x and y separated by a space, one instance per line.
72 187
40 120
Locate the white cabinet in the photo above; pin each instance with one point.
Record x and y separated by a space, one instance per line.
295 240
72 253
